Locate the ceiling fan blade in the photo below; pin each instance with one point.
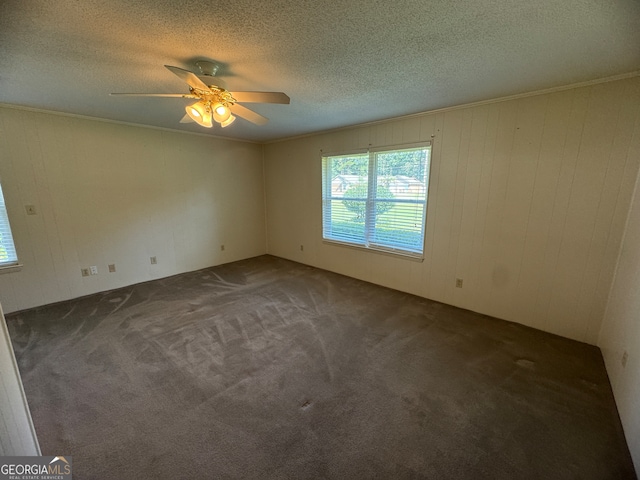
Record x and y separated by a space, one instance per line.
250 115
189 77
186 119
261 97
171 95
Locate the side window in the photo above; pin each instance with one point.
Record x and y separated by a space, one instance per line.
8 256
377 200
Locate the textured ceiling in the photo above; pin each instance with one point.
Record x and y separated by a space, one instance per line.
341 62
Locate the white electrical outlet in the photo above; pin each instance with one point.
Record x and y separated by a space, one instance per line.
112 267
94 270
154 260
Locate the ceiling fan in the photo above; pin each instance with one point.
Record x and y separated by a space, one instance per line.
215 103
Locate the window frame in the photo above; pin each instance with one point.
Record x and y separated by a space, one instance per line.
13 264
372 182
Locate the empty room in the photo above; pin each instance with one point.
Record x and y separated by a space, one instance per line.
333 240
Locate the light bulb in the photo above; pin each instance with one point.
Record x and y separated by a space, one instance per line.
221 113
199 113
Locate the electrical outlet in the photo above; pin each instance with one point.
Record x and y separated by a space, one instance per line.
222 248
112 267
31 209
625 357
94 270
154 260
458 283
302 248
85 272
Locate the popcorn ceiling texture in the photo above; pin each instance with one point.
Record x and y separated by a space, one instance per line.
341 63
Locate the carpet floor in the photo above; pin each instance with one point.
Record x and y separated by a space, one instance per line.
269 369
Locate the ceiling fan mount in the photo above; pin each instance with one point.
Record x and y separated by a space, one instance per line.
215 103
208 69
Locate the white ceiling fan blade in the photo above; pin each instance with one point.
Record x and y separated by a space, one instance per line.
250 115
261 97
170 95
189 77
187 119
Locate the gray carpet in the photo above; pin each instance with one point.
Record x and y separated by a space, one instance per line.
268 369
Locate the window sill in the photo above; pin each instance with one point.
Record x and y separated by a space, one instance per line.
390 253
11 268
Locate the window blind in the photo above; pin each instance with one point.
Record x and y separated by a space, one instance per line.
377 199
8 254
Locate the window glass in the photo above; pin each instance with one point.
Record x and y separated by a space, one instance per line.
7 249
377 199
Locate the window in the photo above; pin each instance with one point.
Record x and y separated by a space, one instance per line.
377 199
8 255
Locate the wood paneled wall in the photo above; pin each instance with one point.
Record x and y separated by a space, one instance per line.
108 193
620 334
17 434
527 204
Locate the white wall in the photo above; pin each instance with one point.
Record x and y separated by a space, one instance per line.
528 201
111 193
621 328
17 435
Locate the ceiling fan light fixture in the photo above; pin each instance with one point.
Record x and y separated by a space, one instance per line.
213 101
193 112
228 121
199 114
221 113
